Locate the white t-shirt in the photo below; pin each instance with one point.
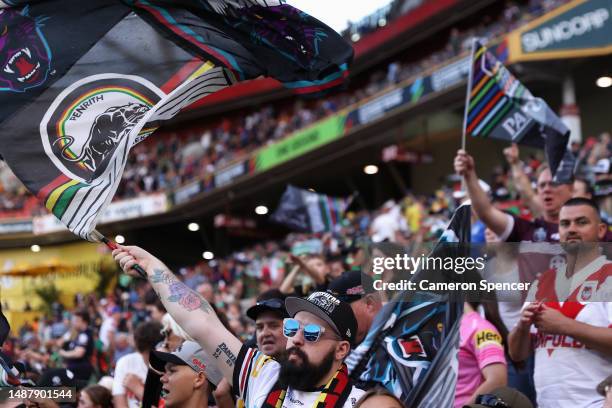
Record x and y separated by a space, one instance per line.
384 227
255 374
108 327
132 363
566 372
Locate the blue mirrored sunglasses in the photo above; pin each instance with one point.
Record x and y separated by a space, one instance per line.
312 332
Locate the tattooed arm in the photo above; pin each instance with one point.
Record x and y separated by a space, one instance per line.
190 310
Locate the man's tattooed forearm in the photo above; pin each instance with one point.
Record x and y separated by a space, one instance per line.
223 349
179 292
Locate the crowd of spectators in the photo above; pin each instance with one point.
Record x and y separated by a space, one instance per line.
119 325
103 345
172 158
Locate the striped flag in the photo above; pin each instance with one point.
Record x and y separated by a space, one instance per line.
500 107
304 210
81 82
413 343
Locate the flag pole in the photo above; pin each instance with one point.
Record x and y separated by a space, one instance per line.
112 246
467 95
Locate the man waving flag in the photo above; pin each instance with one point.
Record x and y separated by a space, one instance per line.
81 82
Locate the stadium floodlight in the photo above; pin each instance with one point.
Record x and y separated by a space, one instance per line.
208 255
604 82
120 239
370 169
261 210
382 22
193 226
355 37
35 248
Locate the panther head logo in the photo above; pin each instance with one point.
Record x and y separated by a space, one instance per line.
108 129
25 57
93 122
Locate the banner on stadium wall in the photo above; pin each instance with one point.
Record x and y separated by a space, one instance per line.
580 28
411 94
301 142
228 174
15 226
450 75
135 208
78 263
117 211
187 192
400 154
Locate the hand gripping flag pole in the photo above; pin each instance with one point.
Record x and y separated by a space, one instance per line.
112 246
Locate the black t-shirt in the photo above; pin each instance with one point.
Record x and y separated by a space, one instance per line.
83 339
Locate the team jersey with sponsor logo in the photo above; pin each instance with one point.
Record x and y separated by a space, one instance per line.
480 345
255 374
566 371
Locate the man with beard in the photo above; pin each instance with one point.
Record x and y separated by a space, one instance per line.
571 319
509 228
320 334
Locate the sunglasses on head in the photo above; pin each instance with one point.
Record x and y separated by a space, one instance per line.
312 332
491 400
272 303
552 184
349 298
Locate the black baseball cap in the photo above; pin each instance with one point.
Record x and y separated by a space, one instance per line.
351 286
271 300
336 313
503 397
60 377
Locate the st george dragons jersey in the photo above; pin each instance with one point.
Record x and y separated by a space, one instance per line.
566 371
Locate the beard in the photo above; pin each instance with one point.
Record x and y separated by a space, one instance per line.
303 375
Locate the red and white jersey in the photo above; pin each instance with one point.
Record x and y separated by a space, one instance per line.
566 371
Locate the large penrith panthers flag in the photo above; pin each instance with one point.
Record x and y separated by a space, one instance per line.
501 107
81 82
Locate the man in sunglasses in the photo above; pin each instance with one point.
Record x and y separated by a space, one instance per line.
268 314
510 228
321 332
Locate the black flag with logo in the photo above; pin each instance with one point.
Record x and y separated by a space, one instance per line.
81 82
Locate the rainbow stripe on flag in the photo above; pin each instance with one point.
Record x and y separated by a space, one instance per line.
495 92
